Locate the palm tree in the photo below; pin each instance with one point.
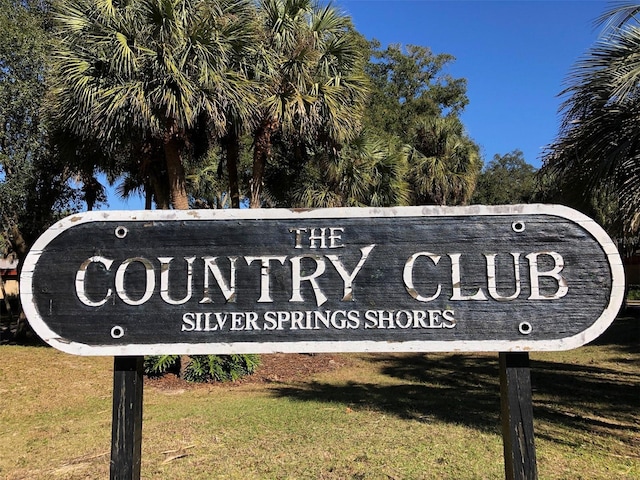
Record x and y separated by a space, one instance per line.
207 184
597 152
369 171
313 72
152 75
444 162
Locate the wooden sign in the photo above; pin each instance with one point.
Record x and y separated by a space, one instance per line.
516 278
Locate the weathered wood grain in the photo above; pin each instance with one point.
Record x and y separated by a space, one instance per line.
517 417
126 426
397 279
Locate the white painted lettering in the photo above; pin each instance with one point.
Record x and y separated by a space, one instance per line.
283 317
457 283
164 280
297 278
407 276
81 277
252 321
335 237
491 277
298 232
419 317
449 320
314 237
535 274
371 319
434 319
348 278
221 320
188 323
270 321
406 322
385 316
228 288
297 319
353 317
150 282
265 274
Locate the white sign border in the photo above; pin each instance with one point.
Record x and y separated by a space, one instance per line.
586 336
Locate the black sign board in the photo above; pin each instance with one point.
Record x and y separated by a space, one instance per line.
517 278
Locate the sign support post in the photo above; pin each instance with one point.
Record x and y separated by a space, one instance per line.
511 279
517 417
126 429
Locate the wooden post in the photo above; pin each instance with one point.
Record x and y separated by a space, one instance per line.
517 417
126 430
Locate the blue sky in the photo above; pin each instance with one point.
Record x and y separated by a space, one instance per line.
515 55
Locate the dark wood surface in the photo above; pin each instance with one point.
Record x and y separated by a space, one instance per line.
379 289
126 427
517 417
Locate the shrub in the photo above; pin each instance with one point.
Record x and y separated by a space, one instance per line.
220 368
203 368
158 365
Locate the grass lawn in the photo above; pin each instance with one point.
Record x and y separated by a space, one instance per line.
374 417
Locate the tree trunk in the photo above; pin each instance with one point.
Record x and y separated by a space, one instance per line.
231 145
261 152
159 193
148 198
21 248
175 172
91 189
18 243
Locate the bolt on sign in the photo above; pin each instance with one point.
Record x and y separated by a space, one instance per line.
508 278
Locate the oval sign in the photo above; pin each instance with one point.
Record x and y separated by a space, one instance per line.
507 278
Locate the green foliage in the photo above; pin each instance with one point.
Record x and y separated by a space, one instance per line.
597 152
507 179
34 180
366 172
414 149
315 86
157 365
444 163
414 106
410 84
157 83
203 368
172 92
152 81
220 368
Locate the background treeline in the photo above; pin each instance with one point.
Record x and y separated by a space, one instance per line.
215 104
280 103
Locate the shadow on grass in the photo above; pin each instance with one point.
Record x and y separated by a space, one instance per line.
465 389
455 389
624 332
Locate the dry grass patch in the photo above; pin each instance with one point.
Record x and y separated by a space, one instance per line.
367 417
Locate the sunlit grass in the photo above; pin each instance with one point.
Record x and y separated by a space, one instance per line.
378 417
